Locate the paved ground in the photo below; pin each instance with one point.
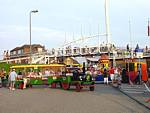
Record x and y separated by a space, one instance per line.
105 99
137 92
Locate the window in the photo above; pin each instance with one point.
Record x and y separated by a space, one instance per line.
20 51
14 52
39 49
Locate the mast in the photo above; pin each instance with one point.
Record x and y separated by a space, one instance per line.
130 33
107 22
148 29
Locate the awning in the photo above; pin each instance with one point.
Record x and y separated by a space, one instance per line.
80 60
93 59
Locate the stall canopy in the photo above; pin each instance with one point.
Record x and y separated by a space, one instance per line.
70 61
95 59
80 60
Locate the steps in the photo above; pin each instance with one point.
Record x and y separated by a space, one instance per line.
133 88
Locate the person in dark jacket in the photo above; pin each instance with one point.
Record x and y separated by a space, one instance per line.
105 74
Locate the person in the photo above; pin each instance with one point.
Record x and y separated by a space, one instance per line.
47 73
19 75
25 80
119 79
149 72
30 74
105 74
125 78
51 72
137 79
116 73
111 72
0 82
2 76
12 78
75 75
39 74
88 76
8 85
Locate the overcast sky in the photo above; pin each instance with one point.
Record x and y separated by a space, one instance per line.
58 19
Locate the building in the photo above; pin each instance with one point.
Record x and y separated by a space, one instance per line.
23 53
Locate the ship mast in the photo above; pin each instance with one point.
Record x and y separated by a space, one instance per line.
107 23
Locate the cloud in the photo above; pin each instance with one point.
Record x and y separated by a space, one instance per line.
55 20
19 35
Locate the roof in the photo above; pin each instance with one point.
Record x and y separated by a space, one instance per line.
15 49
38 66
27 45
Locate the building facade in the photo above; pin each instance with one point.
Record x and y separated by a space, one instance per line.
23 53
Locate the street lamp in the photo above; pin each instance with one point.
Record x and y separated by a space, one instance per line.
114 58
33 11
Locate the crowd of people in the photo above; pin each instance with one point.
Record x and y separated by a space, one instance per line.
114 74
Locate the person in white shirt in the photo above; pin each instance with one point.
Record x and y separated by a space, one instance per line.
116 73
12 78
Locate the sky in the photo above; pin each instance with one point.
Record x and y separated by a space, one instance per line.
60 21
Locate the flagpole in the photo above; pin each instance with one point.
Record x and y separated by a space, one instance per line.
130 33
148 29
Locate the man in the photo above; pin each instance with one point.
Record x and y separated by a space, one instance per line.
12 78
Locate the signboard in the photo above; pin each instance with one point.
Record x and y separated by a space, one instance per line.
139 54
104 61
129 60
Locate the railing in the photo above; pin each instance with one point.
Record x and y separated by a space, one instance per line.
79 52
72 52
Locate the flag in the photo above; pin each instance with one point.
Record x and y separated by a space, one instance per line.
148 29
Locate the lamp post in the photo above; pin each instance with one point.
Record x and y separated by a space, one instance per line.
114 58
33 11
